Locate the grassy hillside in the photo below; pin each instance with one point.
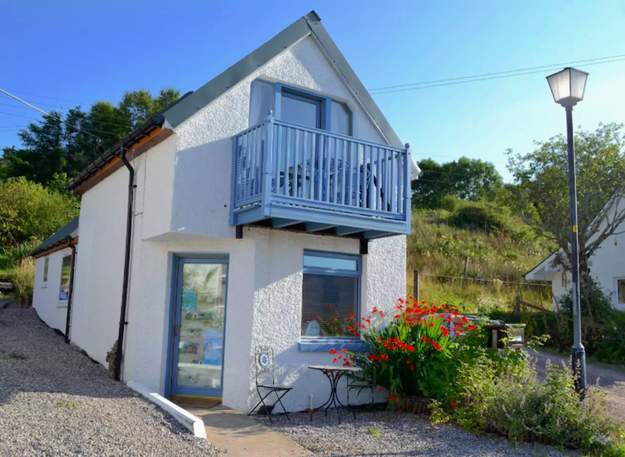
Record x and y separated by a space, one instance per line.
500 247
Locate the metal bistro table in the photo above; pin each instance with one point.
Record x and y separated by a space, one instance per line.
334 373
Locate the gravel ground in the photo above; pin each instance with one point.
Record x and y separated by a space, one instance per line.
609 378
400 434
54 401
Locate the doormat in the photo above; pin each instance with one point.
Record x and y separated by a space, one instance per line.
196 402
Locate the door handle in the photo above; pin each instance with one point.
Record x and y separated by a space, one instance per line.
175 330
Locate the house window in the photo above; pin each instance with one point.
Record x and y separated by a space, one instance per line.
620 291
261 101
65 274
312 110
45 269
341 118
301 109
330 294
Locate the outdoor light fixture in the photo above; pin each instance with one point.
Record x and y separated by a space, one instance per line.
567 86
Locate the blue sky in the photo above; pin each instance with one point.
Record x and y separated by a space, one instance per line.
86 51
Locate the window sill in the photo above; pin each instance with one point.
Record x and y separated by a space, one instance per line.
325 344
62 305
44 286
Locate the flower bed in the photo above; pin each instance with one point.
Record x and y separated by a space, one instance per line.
429 353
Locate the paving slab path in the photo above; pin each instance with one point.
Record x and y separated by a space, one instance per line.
238 435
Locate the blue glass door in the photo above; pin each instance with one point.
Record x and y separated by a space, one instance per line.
198 326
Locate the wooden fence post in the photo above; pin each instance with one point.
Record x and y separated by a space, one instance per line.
466 265
517 307
416 285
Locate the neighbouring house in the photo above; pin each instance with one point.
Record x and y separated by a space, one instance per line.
607 264
263 209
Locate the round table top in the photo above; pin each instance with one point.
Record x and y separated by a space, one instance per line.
333 368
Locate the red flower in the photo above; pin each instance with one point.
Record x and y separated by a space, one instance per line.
454 404
381 314
381 389
379 338
341 356
397 316
375 310
333 351
335 360
349 329
471 327
464 320
431 324
351 316
344 350
412 367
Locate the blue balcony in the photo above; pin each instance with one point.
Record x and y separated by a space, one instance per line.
293 177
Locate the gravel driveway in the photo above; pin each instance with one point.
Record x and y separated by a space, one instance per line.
55 402
398 434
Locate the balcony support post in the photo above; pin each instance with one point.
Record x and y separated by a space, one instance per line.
267 164
407 189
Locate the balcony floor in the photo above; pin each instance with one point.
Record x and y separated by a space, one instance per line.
320 220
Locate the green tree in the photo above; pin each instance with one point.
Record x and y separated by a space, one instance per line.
542 183
465 179
29 211
52 148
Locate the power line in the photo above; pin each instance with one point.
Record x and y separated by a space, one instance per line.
56 118
448 172
476 80
44 96
497 73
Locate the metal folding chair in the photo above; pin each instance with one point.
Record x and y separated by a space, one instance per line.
359 384
266 383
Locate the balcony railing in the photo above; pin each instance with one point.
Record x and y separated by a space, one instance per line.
278 165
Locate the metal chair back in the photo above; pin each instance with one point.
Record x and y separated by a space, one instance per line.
264 365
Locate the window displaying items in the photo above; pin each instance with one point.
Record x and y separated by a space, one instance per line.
65 274
201 329
330 295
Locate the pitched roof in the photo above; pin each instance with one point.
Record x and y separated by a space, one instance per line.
58 238
192 102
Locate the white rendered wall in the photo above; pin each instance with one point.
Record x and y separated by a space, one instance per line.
204 146
98 290
46 301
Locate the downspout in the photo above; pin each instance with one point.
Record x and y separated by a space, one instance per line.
124 307
70 293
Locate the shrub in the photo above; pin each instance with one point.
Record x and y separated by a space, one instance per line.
515 403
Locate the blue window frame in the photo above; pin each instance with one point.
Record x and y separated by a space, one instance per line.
330 295
287 98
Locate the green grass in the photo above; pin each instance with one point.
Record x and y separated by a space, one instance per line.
497 263
14 356
68 405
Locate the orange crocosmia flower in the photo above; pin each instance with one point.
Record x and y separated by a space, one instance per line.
375 310
379 338
341 356
397 316
344 350
381 314
335 359
431 324
351 316
333 351
349 329
471 327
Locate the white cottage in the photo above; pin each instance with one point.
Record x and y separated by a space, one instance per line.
217 227
607 264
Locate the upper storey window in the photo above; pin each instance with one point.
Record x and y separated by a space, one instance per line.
299 107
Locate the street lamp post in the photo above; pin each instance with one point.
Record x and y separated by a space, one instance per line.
567 87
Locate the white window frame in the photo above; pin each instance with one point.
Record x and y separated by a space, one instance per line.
46 271
616 301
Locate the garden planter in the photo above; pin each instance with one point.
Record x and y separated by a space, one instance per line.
416 405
